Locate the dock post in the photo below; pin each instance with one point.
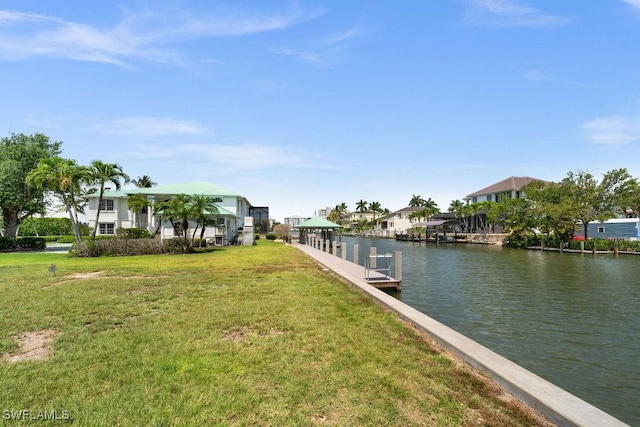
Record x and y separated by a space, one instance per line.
355 253
372 261
327 246
335 248
581 246
398 262
343 250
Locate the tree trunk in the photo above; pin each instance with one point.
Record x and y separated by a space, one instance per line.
95 228
11 223
585 224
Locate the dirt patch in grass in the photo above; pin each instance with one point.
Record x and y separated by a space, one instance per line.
33 346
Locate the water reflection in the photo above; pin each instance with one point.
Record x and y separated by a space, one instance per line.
572 319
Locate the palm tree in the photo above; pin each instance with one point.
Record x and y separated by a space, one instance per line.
64 177
361 206
375 208
416 201
203 208
143 181
178 212
136 203
102 173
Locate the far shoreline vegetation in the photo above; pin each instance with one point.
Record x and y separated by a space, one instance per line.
33 176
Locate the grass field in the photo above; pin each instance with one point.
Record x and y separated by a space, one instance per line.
254 335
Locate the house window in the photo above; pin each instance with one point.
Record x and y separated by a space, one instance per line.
107 228
600 229
106 205
474 200
489 197
217 200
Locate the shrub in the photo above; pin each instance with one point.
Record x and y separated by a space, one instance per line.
199 243
45 227
282 231
256 237
6 243
271 236
133 233
125 247
36 243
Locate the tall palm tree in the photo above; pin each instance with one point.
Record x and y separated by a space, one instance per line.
416 201
63 177
143 181
374 207
203 208
136 203
103 173
362 205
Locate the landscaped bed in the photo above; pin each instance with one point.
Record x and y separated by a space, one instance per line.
245 335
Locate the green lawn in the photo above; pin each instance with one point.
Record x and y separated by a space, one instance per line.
242 335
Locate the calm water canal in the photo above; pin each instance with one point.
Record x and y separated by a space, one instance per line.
572 319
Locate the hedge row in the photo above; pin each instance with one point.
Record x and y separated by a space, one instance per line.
126 247
22 244
589 245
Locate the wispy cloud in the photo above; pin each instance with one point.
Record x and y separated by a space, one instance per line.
634 3
150 126
613 130
309 57
509 13
140 35
322 51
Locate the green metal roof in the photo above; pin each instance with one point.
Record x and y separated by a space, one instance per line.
317 222
195 187
222 211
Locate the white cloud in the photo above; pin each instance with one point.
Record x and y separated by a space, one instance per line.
613 130
634 3
143 35
509 13
151 126
244 156
309 57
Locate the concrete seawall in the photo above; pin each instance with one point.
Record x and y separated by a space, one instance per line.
558 405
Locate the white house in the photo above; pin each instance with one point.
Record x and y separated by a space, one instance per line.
232 208
398 221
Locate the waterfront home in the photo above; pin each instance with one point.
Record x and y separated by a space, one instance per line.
510 187
397 222
616 228
233 210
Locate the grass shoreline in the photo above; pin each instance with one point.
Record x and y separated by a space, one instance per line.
245 335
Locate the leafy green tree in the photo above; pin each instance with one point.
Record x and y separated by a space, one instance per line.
595 201
101 174
362 205
63 177
19 155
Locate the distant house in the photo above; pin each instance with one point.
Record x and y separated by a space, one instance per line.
232 209
510 187
617 228
356 216
398 222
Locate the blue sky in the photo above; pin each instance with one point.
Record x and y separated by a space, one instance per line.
299 105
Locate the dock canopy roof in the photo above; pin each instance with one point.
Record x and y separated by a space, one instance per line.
317 222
